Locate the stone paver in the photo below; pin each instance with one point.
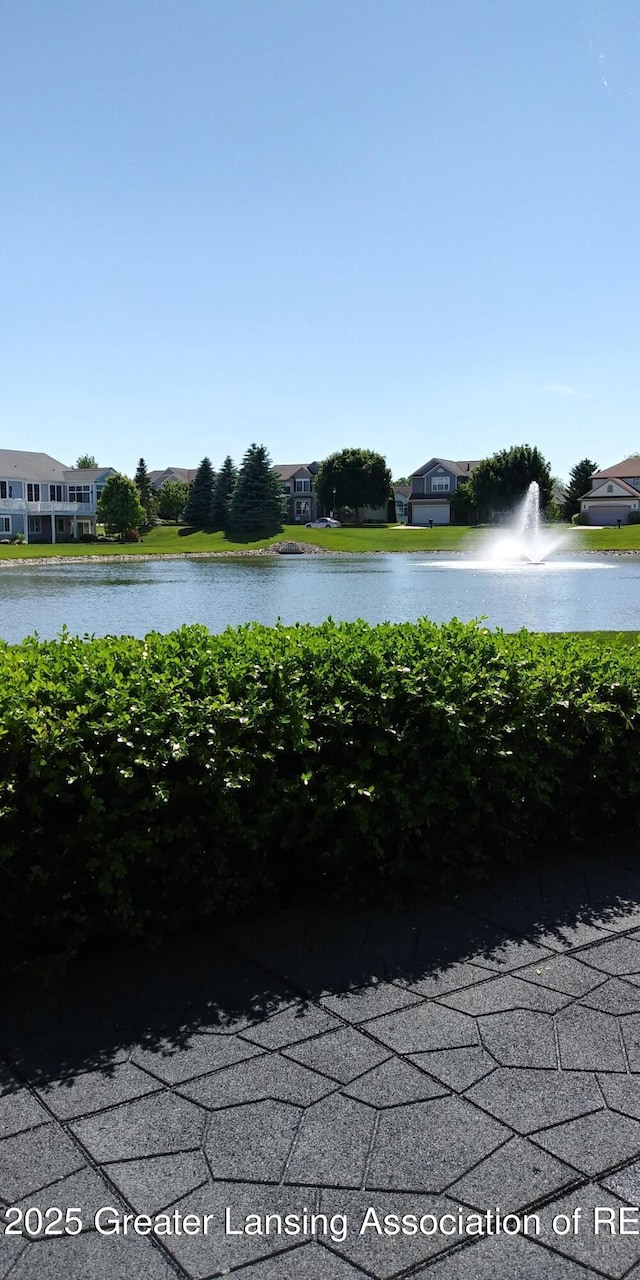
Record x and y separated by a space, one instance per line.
475 1055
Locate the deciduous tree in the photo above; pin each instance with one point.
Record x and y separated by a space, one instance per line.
358 477
119 506
499 482
86 462
172 500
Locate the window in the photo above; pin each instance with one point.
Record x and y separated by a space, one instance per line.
80 493
5 524
609 488
287 488
84 526
60 524
34 524
55 493
303 486
440 484
303 509
3 488
33 493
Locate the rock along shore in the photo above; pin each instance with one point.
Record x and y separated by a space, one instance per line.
273 549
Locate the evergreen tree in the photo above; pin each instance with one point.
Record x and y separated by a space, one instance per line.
258 501
199 505
579 483
222 494
145 492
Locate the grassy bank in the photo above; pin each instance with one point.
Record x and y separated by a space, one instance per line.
146 785
170 540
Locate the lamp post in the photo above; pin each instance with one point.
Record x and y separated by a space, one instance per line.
334 505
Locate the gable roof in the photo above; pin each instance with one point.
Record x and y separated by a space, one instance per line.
186 474
457 468
597 490
287 471
628 467
40 467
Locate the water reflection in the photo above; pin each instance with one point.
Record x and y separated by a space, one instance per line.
589 593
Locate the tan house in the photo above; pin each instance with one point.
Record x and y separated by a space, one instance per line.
431 488
173 475
613 494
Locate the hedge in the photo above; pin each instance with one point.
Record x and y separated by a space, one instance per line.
147 785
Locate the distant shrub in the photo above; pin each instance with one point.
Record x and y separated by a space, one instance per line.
88 537
581 518
149 784
133 535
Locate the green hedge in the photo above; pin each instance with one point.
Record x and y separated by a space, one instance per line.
148 784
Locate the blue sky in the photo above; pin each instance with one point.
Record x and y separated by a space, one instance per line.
405 224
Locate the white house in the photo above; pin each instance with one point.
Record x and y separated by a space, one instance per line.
613 494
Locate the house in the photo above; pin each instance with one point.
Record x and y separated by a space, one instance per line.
614 492
46 501
431 488
401 495
173 475
297 481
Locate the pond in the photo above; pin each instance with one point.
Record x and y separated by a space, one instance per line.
134 597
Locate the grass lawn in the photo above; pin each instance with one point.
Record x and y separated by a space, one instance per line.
167 539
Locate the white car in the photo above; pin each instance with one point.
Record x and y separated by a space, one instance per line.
325 522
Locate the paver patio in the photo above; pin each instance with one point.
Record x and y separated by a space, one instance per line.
464 1055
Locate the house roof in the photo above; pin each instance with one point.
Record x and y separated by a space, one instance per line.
40 467
87 474
592 493
43 469
287 470
628 467
458 468
186 474
404 489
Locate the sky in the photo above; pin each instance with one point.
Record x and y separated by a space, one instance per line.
407 225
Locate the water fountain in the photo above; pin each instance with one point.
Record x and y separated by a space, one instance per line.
526 539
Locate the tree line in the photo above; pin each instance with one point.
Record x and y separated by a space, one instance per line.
251 498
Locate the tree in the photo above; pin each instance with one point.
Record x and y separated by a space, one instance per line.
402 480
357 477
86 462
119 506
579 482
258 501
222 494
145 492
172 500
462 503
199 503
503 479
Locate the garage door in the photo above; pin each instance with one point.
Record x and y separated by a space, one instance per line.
608 514
423 512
